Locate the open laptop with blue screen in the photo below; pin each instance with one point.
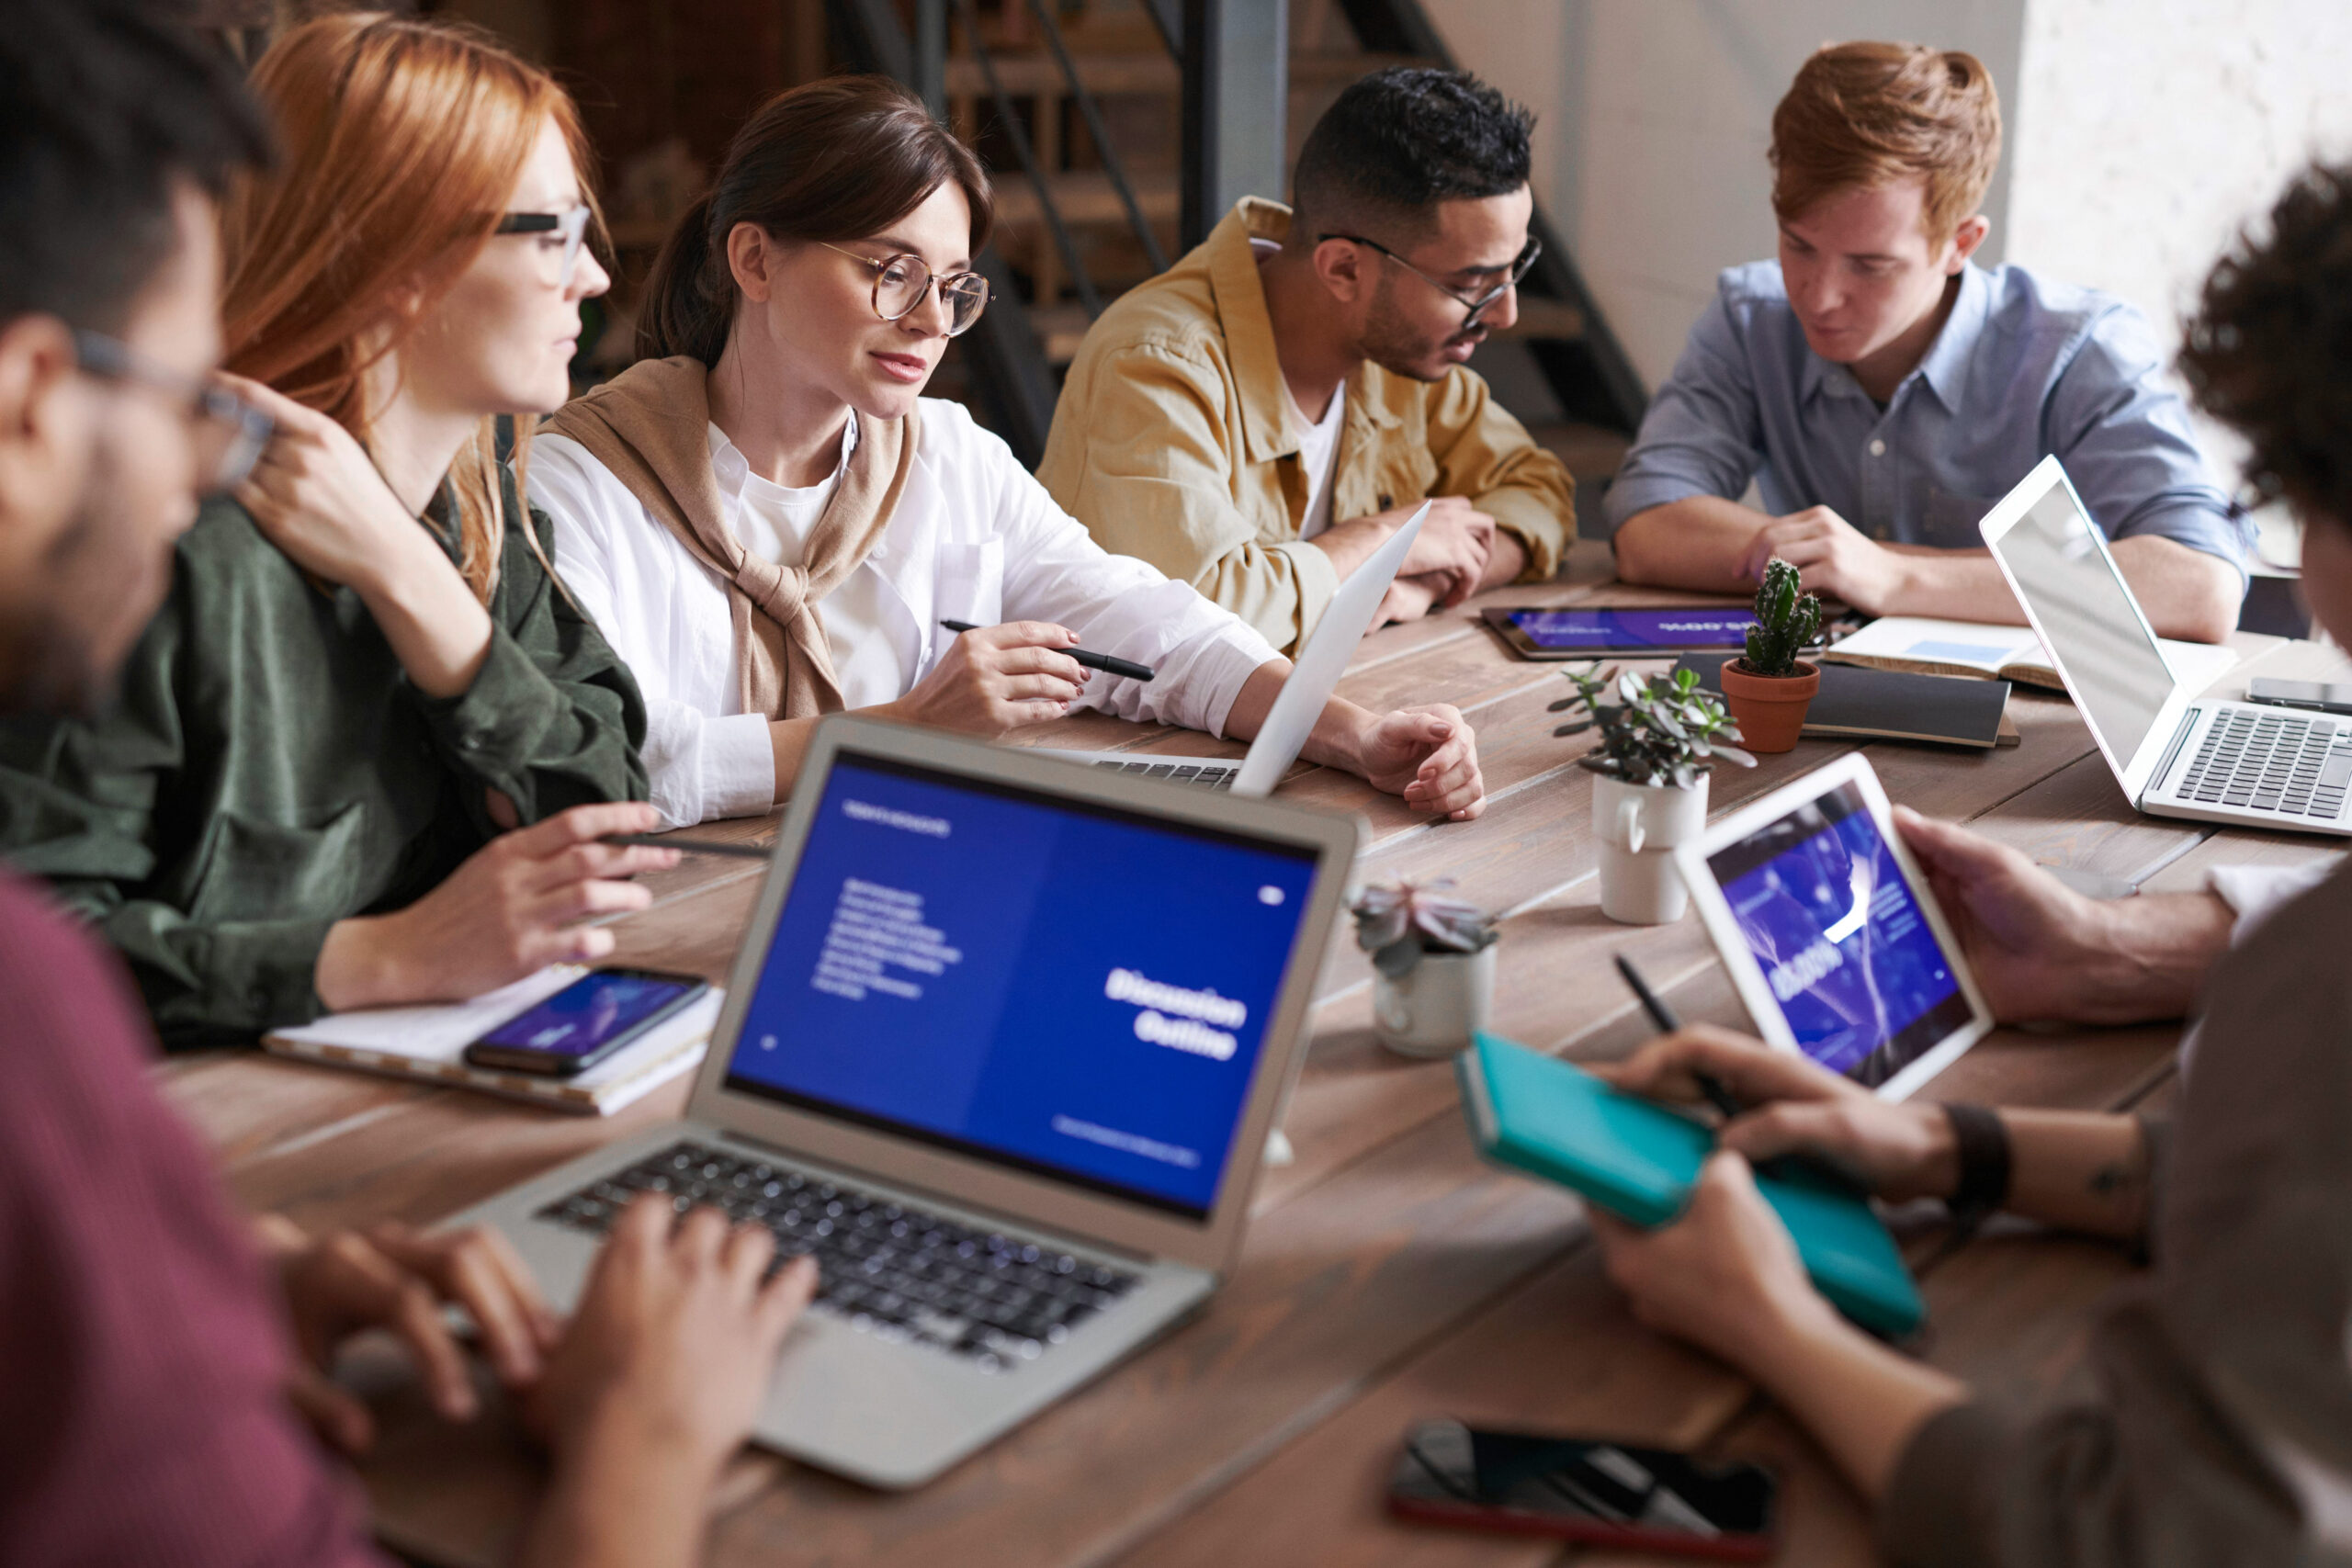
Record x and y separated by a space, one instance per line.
1000 1047
1830 933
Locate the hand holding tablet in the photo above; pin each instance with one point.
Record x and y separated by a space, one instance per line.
1831 934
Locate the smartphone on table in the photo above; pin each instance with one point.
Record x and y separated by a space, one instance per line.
1587 1490
585 1021
2318 697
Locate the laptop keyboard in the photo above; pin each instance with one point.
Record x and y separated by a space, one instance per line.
886 1267
1187 772
2271 761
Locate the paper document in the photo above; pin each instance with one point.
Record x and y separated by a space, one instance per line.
1929 646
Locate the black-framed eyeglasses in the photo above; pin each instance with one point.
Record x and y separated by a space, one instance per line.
230 432
1478 304
900 282
569 227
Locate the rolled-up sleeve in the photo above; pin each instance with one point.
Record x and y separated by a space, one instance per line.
1702 435
1484 454
1147 473
2128 446
553 718
1121 606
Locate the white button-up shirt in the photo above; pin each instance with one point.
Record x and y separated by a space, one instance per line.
975 539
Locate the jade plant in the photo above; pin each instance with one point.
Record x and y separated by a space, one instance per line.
1400 922
1665 731
1786 622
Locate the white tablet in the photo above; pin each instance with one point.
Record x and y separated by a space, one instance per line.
1831 933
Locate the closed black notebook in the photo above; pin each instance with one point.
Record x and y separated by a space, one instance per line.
1888 705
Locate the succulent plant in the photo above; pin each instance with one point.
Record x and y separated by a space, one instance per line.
1667 731
1786 621
1400 922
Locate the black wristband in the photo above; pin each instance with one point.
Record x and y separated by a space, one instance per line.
1983 1148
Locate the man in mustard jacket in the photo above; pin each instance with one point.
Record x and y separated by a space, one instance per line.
1257 420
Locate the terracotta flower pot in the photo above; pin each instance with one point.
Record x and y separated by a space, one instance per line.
1768 709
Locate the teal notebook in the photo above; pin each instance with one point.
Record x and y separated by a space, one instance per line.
1638 1160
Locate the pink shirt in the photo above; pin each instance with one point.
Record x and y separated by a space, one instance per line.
142 1355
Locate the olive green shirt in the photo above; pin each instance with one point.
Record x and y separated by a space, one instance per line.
1175 441
268 770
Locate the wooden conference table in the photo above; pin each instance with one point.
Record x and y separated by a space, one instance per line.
1388 1274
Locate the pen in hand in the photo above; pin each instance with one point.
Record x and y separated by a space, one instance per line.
1102 662
693 846
1826 1168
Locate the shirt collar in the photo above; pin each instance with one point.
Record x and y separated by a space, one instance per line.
1944 368
1240 295
729 468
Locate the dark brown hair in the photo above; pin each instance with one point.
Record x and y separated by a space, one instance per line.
1872 114
840 159
2269 351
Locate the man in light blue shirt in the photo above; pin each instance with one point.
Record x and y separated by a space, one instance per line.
1883 392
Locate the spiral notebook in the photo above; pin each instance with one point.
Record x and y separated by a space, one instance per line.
429 1044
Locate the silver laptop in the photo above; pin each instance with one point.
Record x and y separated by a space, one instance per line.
1312 680
1000 1048
2176 754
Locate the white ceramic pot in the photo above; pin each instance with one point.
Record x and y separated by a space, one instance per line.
1431 1010
1639 827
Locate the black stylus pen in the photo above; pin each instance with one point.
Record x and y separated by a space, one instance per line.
1102 662
693 846
1825 1167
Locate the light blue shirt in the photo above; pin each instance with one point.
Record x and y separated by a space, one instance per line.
2023 368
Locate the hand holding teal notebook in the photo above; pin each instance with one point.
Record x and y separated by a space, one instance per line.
1639 1161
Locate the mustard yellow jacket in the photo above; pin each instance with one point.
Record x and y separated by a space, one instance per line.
1174 441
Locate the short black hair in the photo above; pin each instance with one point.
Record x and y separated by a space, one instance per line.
1400 141
2269 351
104 105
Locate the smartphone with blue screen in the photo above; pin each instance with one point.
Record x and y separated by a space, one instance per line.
585 1021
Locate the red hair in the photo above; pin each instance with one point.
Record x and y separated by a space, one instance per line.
403 140
1861 114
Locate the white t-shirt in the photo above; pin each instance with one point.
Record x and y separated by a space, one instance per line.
1319 441
773 521
975 539
1318 454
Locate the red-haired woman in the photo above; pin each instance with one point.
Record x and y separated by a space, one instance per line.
364 672
771 522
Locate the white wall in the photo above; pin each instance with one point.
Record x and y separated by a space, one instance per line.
2149 131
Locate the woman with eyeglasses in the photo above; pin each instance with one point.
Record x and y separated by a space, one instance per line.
365 674
771 522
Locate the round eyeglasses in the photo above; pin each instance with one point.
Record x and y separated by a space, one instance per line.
900 282
564 232
1477 302
230 432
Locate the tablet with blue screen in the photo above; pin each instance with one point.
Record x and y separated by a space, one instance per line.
1832 936
1624 633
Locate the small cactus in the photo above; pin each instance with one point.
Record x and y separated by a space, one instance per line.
1786 621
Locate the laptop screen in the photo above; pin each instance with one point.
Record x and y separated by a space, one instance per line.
2088 617
1068 989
